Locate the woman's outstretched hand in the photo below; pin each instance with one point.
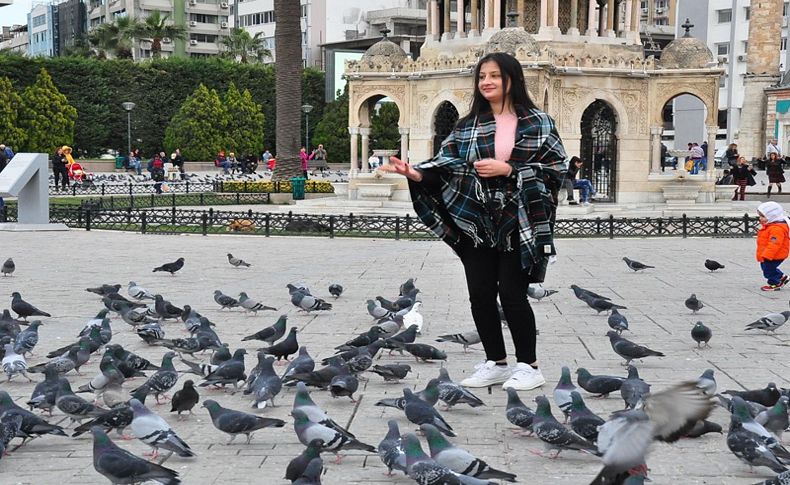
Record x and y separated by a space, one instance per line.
492 168
400 167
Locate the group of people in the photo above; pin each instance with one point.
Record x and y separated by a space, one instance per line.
230 163
742 173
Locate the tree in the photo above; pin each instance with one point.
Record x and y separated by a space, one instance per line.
46 117
113 38
384 133
10 132
199 128
154 28
332 130
288 86
245 122
240 46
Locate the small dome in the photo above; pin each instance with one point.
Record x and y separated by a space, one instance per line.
686 53
509 40
385 49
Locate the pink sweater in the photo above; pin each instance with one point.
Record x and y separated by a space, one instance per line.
505 137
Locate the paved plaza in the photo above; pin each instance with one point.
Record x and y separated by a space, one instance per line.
53 271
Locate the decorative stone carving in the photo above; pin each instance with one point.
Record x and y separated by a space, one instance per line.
704 89
686 53
384 50
514 40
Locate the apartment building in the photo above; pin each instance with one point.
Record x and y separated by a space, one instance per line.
14 39
42 27
657 24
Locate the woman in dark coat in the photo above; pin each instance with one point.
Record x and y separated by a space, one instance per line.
742 175
773 168
731 155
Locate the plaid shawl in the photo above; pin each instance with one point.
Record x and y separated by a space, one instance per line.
487 210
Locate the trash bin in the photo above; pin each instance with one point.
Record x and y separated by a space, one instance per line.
297 188
119 161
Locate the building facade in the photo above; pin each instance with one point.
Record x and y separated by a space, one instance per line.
42 27
15 39
72 24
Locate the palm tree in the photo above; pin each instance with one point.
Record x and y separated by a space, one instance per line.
240 45
288 86
154 28
113 38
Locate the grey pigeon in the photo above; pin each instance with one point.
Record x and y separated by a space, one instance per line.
104 290
134 317
309 303
225 301
251 305
707 382
703 427
629 350
165 309
742 412
452 394
138 292
27 339
267 383
10 426
600 385
32 425
701 334
185 399
407 336
297 288
302 363
459 460
24 309
237 262
270 334
344 384
46 391
693 304
518 413
237 422
74 406
228 372
150 332
365 338
562 392
554 435
769 322
538 292
422 352
312 473
120 466
766 396
775 418
289 345
419 412
376 311
617 321
465 339
307 431
636 265
406 287
430 395
713 265
197 368
781 479
164 379
751 448
584 422
582 293
14 363
335 290
154 431
391 372
298 465
8 267
600 305
390 449
633 389
425 471
171 267
304 403
117 418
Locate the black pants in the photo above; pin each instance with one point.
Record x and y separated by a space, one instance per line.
59 172
489 273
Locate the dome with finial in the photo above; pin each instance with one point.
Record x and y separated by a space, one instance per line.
511 39
686 52
384 49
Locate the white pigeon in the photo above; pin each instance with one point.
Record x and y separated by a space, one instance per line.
413 317
14 363
138 292
154 431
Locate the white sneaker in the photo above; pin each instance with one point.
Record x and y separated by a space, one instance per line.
487 374
524 378
585 204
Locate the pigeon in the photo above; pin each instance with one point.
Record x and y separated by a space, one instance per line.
8 267
629 350
308 302
767 396
10 426
104 290
752 448
297 288
583 421
297 466
405 337
335 290
703 427
229 372
307 430
413 317
601 385
422 352
109 379
24 309
129 359
138 292
270 334
27 339
636 265
376 311
600 305
419 412
425 471
390 449
171 267
465 339
693 304
237 422
117 418
633 389
134 317
164 379
185 399
707 382
285 347
225 301
740 409
538 292
617 321
304 403
154 431
769 322
318 378
165 309
45 392
775 419
582 293
406 287
553 434
430 395
459 460
74 406
391 372
237 262
713 265
344 384
302 363
363 339
14 363
452 394
623 441
701 334
120 466
266 385
73 359
32 425
251 305
562 392
518 413
150 332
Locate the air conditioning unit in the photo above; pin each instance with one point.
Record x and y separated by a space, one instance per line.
223 25
223 5
193 42
166 40
193 2
743 58
192 23
723 59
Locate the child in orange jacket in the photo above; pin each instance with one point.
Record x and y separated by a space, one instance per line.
773 244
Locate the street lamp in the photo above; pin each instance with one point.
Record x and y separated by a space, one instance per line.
128 106
306 108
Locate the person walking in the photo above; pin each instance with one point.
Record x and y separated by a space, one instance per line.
776 176
491 194
60 170
773 244
304 157
742 175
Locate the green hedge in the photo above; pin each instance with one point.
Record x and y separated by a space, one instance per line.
96 88
311 187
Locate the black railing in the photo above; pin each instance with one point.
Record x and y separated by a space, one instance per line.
132 188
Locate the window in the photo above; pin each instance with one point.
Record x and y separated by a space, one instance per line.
722 49
304 11
119 13
203 37
39 20
203 18
785 7
722 81
724 15
745 46
783 44
747 12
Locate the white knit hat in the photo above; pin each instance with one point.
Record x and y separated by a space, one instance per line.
773 212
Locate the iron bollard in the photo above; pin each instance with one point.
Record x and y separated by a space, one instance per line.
685 222
611 226
267 224
88 220
397 228
331 227
143 222
204 222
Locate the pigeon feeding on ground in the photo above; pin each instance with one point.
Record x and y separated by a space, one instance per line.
285 347
452 394
538 292
251 305
171 267
307 430
701 334
138 292
465 339
419 412
424 470
164 379
600 305
120 466
693 304
32 425
24 309
237 262
8 267
629 350
599 385
617 321
391 372
270 334
104 290
584 422
225 301
309 303
185 399
554 435
770 322
154 431
713 265
335 290
235 423
766 396
636 265
459 460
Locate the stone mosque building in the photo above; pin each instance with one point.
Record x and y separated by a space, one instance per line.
584 65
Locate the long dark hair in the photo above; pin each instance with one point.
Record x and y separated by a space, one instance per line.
512 76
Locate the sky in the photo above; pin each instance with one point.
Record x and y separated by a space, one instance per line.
15 13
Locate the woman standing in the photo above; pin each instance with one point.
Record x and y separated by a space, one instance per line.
732 155
773 168
742 175
490 193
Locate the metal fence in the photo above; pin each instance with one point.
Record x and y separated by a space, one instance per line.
132 188
172 220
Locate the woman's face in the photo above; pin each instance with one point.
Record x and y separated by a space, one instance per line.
490 82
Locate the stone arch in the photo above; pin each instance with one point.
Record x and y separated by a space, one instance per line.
443 118
620 111
359 115
599 147
703 92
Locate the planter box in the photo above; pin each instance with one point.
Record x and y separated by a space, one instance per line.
375 191
341 188
680 193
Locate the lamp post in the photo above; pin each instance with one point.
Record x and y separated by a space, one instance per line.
306 108
128 106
